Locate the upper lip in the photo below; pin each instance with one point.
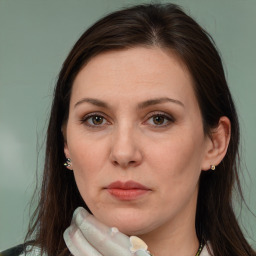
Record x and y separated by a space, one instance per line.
127 185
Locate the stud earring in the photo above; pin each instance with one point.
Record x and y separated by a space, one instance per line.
67 164
212 167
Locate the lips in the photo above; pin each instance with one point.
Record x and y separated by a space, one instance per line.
126 191
126 185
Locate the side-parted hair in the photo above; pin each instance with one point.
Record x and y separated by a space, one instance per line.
150 25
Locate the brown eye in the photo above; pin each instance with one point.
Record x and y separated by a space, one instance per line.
94 120
159 120
97 120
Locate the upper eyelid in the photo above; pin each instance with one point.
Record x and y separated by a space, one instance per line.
151 113
94 114
154 113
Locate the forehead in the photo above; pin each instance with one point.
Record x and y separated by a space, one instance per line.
136 71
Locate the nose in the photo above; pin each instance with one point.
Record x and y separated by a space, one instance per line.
125 149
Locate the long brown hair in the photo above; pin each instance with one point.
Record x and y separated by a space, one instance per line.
164 26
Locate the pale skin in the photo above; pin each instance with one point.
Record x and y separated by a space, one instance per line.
134 116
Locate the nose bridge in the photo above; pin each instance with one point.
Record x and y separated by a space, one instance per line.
125 132
125 150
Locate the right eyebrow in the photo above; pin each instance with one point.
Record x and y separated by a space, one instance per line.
92 101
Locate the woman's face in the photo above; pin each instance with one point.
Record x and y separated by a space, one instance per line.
135 138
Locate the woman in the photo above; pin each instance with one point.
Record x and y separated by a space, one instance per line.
144 121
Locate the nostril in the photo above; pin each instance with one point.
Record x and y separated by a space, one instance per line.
115 163
130 163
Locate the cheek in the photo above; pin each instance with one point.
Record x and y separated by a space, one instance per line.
177 169
88 158
86 173
178 163
86 152
177 154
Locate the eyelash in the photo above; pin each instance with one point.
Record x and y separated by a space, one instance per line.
167 119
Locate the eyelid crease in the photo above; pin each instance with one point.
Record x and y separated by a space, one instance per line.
160 113
97 113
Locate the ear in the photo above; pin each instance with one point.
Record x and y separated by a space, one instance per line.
64 133
217 144
66 150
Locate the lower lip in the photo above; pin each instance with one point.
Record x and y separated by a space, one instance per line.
127 194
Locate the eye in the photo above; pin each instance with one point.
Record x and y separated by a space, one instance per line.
94 120
160 119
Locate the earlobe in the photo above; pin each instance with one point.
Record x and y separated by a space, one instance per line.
68 163
217 144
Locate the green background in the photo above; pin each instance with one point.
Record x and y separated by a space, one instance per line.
35 37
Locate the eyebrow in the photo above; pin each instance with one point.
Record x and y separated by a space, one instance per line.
92 101
151 102
141 105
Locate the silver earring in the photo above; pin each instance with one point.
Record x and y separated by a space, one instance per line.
212 167
68 163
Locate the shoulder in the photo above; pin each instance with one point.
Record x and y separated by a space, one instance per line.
22 250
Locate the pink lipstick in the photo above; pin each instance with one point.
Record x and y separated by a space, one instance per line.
127 191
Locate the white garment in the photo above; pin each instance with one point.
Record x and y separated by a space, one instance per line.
32 251
205 252
36 252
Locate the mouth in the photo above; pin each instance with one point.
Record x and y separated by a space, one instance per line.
127 191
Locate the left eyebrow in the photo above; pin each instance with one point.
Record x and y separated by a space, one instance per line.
92 101
156 101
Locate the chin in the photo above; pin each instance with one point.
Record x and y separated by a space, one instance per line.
131 229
